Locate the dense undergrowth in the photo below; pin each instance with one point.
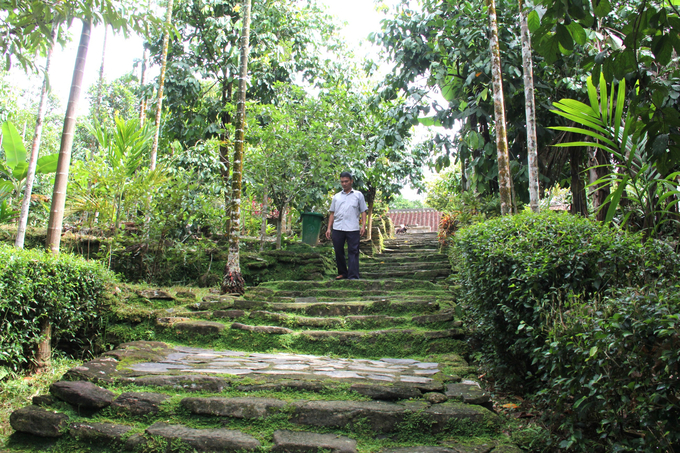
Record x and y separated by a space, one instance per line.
584 319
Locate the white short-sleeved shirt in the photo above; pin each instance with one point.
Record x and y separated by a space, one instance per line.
346 208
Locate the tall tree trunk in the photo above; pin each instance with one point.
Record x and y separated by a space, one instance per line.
100 85
35 151
233 280
161 84
225 169
43 356
142 82
265 209
61 178
530 107
504 174
280 225
597 161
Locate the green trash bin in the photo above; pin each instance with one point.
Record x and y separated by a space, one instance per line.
311 227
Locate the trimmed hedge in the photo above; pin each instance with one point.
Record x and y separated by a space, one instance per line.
520 276
612 374
35 285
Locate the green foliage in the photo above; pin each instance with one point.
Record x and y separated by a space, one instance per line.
640 194
34 285
518 273
612 372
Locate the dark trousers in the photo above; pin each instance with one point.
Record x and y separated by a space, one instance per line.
349 268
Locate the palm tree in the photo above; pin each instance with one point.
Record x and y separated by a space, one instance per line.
161 84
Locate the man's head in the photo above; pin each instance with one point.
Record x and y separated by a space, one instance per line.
346 181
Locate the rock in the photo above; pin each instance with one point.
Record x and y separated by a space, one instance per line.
134 443
435 397
141 403
42 400
387 392
302 442
230 314
82 394
38 421
210 305
105 432
430 319
205 440
307 386
470 448
189 383
200 327
248 408
451 333
467 393
170 320
156 294
507 449
317 322
185 295
262 329
268 315
96 370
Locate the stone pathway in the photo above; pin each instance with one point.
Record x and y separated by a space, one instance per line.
374 365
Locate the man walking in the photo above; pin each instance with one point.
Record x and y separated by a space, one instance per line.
343 226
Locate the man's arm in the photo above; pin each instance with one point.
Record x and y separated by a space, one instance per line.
363 224
330 225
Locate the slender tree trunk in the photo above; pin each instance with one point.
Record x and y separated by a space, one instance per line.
532 147
161 84
224 153
370 201
233 280
54 225
142 83
578 199
35 151
265 209
504 175
279 225
100 85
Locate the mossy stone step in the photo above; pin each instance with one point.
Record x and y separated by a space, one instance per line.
408 257
404 265
338 308
155 364
410 274
362 285
381 417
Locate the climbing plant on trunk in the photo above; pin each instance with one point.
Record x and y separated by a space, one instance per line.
161 83
233 280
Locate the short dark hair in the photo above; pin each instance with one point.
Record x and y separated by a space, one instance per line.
346 174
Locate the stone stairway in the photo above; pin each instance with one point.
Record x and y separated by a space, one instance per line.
374 365
409 256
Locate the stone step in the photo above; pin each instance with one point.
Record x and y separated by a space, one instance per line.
381 417
156 364
345 285
333 308
408 257
428 275
404 265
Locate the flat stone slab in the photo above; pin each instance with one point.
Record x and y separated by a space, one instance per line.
230 314
158 294
38 421
381 416
200 327
429 319
304 442
387 393
262 329
469 393
103 432
205 440
82 394
139 403
196 369
463 448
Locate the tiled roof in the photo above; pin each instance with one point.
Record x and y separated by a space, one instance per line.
416 217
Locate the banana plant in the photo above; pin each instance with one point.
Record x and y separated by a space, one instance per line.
632 176
14 169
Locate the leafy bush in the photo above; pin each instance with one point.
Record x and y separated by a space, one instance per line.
520 276
613 373
35 285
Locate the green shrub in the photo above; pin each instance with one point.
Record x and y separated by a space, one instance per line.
35 285
518 276
613 373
